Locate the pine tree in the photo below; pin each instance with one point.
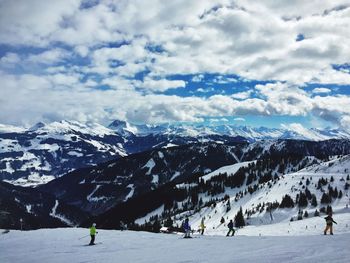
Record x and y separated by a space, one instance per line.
308 194
325 199
307 181
287 202
239 219
168 222
302 200
314 200
335 193
316 213
329 209
340 195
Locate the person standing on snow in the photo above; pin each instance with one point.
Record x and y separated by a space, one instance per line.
187 228
202 226
93 234
329 224
230 228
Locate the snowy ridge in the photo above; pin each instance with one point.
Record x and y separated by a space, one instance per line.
296 132
10 129
57 148
34 156
230 169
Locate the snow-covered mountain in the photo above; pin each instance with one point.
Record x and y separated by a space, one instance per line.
100 188
173 181
39 154
28 208
252 134
220 195
46 151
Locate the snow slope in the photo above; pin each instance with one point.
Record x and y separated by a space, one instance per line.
61 245
254 204
229 169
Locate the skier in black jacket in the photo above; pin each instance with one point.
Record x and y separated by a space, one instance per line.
230 228
329 223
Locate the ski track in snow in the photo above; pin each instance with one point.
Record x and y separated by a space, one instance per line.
60 245
58 216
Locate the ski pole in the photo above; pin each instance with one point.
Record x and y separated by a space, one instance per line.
84 236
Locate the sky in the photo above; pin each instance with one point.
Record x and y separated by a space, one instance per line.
258 63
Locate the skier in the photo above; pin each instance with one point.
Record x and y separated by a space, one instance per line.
329 224
187 228
93 234
230 228
202 226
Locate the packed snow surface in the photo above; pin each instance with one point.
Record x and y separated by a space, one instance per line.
62 245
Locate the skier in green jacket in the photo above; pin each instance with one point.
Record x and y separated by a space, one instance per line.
93 234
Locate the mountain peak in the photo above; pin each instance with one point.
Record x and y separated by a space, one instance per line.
117 124
123 127
37 126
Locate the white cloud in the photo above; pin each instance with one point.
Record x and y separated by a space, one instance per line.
345 122
83 51
9 60
205 90
239 119
242 95
321 90
198 78
161 84
49 57
218 120
114 39
32 22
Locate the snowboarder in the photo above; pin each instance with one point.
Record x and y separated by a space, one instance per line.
202 227
230 228
93 234
329 224
187 228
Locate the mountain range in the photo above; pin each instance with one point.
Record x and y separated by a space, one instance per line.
165 182
43 152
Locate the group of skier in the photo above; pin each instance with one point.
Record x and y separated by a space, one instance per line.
231 231
187 228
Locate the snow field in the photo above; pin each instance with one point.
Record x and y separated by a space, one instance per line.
61 245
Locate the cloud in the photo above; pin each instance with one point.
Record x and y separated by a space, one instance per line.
83 51
239 119
116 58
242 95
198 78
9 60
161 84
49 57
205 90
219 120
321 90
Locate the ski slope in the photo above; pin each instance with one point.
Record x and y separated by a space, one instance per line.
62 245
290 184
